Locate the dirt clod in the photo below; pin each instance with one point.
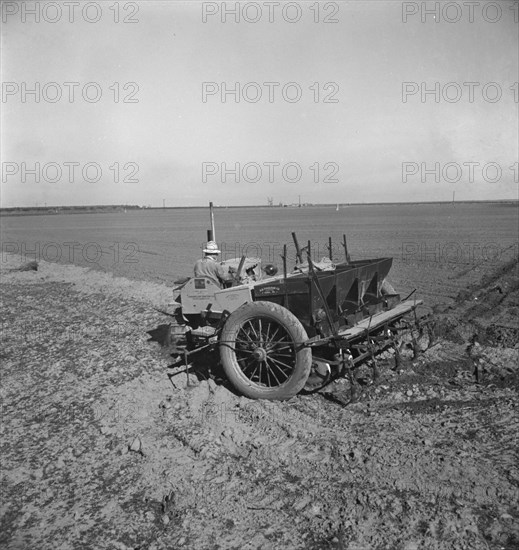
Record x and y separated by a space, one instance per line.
426 459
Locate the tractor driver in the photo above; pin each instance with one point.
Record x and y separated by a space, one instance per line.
208 266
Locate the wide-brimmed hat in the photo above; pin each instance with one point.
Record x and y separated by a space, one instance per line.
211 248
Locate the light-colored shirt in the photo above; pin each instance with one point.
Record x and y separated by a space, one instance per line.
207 267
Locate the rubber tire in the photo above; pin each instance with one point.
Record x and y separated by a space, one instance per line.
295 330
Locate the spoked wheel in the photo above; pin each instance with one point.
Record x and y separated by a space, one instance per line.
262 352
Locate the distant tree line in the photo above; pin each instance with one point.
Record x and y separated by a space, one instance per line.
20 210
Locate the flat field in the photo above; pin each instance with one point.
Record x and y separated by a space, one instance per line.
104 446
435 247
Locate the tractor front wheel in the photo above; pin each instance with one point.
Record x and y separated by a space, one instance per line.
263 353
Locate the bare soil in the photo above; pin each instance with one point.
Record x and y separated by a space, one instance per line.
103 446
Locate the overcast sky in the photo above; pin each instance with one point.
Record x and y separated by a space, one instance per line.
371 141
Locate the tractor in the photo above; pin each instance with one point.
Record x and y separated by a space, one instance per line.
282 333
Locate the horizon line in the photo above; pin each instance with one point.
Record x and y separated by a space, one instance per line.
283 205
